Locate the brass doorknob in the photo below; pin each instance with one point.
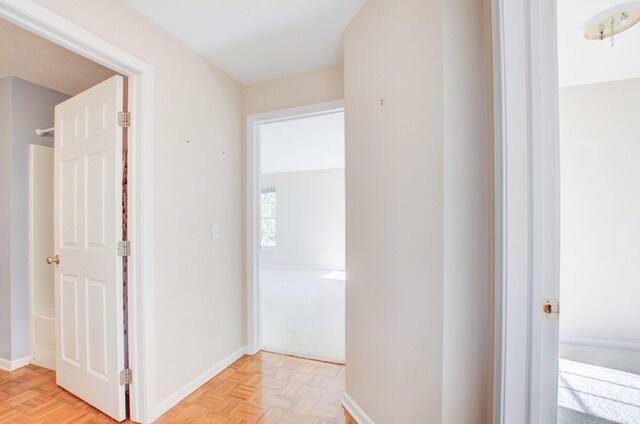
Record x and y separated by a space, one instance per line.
55 259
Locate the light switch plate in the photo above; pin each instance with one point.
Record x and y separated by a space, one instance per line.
215 231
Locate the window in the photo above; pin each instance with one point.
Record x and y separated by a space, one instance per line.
268 217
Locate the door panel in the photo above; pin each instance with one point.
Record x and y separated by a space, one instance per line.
88 225
68 191
69 320
41 245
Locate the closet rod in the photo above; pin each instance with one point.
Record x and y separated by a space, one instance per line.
45 131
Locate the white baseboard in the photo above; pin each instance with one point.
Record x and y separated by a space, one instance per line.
7 365
607 344
300 267
191 387
355 411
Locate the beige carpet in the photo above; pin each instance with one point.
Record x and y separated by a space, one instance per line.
303 312
591 394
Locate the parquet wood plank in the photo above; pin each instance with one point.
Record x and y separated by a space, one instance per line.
263 389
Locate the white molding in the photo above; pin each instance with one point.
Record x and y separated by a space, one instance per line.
7 365
499 189
297 112
252 189
39 20
606 344
527 210
512 212
545 209
356 412
192 386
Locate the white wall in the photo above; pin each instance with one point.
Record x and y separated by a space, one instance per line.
199 280
600 211
310 219
31 106
418 203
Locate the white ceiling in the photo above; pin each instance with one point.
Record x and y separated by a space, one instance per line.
585 61
303 144
258 40
32 58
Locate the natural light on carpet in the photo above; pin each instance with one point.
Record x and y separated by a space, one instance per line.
601 392
336 275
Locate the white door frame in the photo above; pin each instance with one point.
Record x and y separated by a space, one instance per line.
43 22
253 195
527 209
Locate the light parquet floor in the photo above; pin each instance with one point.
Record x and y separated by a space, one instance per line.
263 389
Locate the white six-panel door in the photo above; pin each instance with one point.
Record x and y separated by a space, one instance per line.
88 225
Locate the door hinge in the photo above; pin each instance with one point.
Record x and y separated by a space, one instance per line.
124 248
550 309
124 119
126 376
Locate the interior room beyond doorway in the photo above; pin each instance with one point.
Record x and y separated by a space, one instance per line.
302 236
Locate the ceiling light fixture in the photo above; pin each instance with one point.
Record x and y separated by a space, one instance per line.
613 21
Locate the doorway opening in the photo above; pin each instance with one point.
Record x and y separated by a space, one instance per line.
561 185
46 70
599 149
296 244
65 164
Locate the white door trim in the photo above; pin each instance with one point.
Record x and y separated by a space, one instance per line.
253 185
41 21
527 209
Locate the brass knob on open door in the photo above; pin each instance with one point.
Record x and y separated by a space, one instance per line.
55 259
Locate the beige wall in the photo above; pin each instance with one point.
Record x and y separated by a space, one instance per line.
298 90
199 281
418 335
467 218
395 210
309 219
600 212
